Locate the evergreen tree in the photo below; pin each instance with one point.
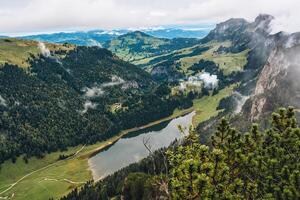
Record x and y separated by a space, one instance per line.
255 165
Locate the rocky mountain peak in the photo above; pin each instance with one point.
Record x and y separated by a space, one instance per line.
263 18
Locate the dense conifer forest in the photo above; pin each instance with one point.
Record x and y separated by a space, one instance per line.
58 103
256 164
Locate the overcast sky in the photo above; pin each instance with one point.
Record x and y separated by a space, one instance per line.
21 16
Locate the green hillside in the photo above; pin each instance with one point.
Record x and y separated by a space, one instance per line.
137 45
66 99
18 52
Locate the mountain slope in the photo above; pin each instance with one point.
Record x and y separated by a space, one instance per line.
137 45
18 52
69 97
233 45
278 82
265 68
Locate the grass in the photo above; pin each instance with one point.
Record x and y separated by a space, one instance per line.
230 62
17 51
227 62
206 107
121 46
57 178
187 62
41 184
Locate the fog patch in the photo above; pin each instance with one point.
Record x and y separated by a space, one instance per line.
210 80
292 40
115 80
98 90
2 101
193 81
92 42
88 105
93 92
240 101
44 50
130 85
46 53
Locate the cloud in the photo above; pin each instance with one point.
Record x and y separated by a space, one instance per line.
98 91
240 101
93 92
2 101
115 80
210 81
43 15
44 50
88 105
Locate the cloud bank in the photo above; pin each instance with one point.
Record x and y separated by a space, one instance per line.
18 16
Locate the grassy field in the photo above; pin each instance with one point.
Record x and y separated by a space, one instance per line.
48 177
230 62
227 62
124 46
206 107
17 51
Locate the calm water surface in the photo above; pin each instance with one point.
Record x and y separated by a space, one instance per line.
130 148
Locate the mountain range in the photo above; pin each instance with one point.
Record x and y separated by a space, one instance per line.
265 68
98 37
62 90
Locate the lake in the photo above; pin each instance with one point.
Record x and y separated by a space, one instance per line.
130 148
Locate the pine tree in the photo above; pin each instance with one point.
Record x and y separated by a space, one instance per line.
254 165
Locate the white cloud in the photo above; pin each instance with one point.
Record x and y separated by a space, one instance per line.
93 92
210 81
88 105
44 15
44 50
97 91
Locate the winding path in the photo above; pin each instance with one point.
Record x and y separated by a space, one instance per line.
45 167
95 151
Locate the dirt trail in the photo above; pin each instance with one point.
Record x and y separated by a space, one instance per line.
95 151
66 180
45 167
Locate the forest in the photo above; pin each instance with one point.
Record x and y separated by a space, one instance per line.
255 164
66 101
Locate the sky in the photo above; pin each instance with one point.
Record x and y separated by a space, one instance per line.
30 16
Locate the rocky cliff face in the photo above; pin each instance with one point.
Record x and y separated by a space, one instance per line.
272 73
278 83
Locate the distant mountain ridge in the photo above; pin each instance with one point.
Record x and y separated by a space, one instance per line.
98 37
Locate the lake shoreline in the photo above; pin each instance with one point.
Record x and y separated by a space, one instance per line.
75 168
123 133
115 138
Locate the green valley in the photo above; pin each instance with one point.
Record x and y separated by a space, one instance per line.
69 112
42 178
136 46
